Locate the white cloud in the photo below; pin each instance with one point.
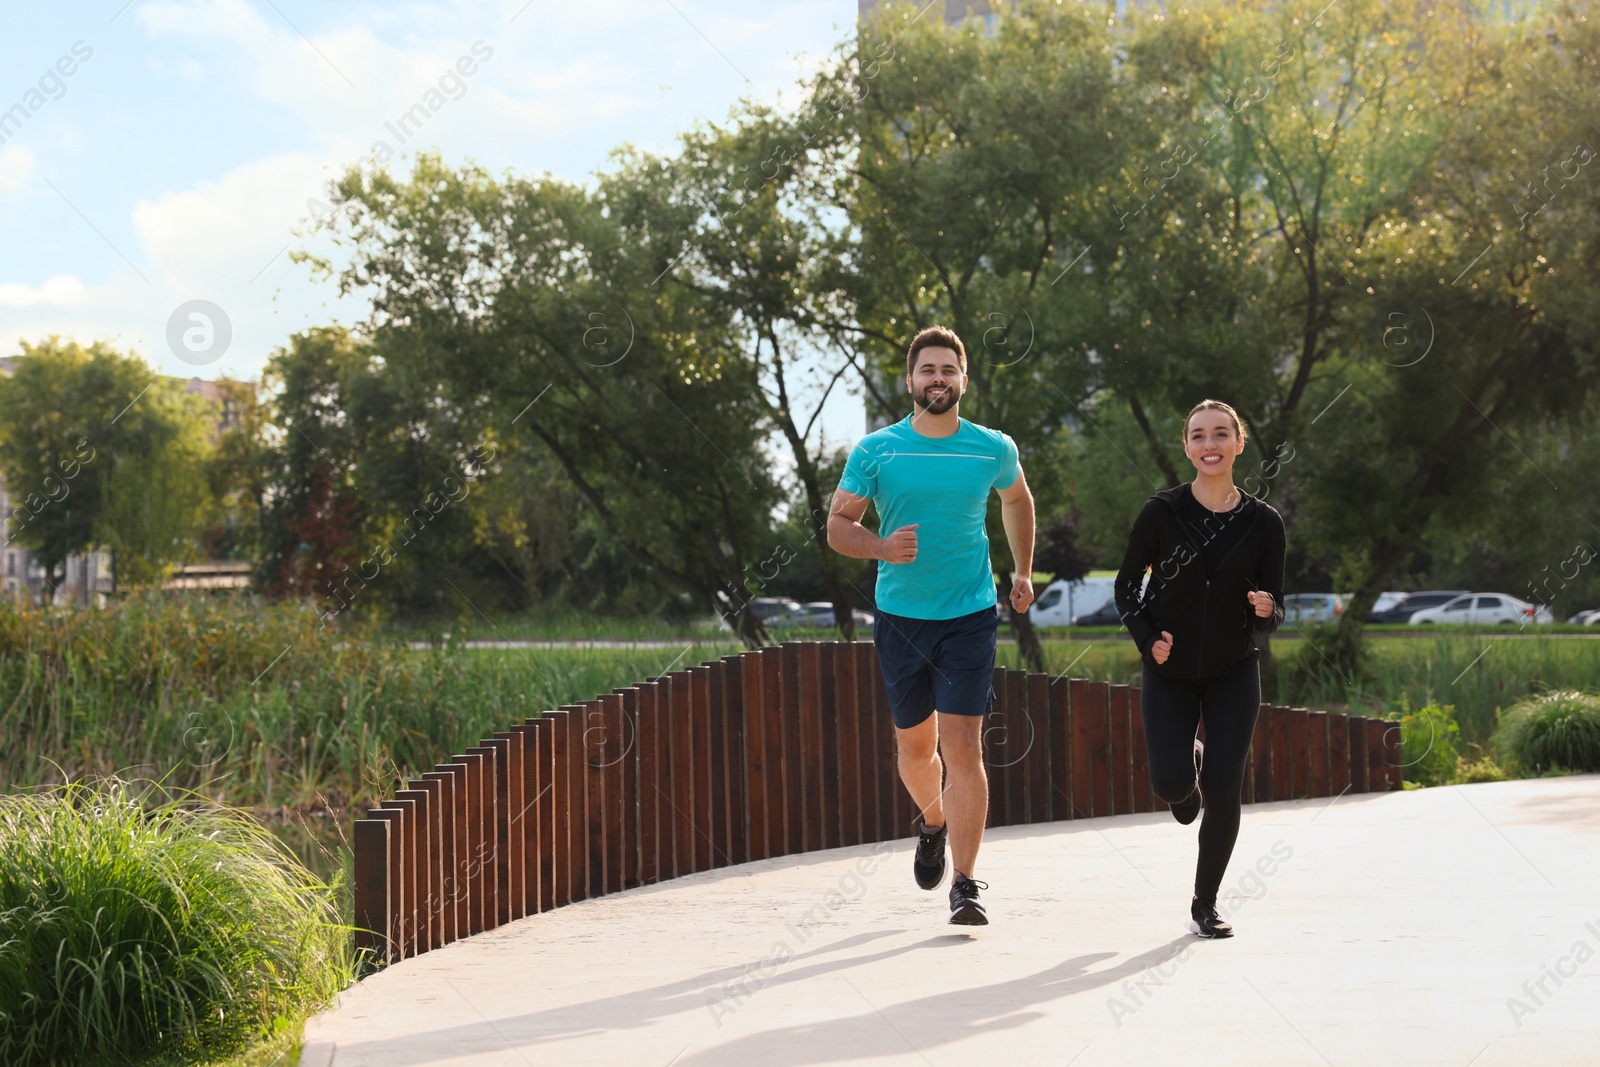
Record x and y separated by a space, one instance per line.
63 290
18 163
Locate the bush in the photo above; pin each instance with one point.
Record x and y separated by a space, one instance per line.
130 926
1483 769
1557 731
1429 743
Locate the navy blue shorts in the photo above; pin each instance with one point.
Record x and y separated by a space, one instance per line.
937 664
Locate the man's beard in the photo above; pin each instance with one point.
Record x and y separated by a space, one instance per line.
940 404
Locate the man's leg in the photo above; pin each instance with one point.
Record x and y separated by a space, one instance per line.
917 751
966 793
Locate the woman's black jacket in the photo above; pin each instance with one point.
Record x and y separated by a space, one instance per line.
1212 623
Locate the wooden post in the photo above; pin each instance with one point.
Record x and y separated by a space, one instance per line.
371 859
655 827
1261 756
1317 751
1144 797
995 733
1037 761
699 683
1083 765
892 793
508 806
734 748
594 788
875 721
1019 736
1100 747
579 875
1282 755
1060 749
613 750
851 729
1338 753
441 786
828 763
1356 753
1121 761
772 737
420 891
757 718
557 875
490 855
716 712
1299 753
397 899
536 786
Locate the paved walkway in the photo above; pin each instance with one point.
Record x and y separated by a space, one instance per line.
1447 926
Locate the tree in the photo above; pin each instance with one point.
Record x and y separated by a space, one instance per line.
99 450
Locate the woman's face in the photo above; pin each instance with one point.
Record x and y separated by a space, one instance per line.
1211 442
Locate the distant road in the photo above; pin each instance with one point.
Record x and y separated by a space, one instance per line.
645 643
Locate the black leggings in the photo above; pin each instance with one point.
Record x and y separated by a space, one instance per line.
1171 710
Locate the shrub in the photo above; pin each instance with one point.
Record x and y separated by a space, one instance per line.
1558 731
1482 769
131 926
1429 743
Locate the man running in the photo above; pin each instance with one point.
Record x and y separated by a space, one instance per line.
930 476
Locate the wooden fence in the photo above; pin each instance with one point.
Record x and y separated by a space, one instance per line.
764 753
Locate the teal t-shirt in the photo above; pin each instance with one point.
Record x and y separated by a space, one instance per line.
942 484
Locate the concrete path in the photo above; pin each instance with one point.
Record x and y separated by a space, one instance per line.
1449 926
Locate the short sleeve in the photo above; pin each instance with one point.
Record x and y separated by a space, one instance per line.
860 472
1006 473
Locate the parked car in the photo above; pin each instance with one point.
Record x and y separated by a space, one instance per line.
1588 617
767 607
1105 615
817 615
1386 600
1058 602
1312 607
1484 609
1413 603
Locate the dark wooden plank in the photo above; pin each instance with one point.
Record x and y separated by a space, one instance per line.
557 830
424 892
794 768
1356 753
1036 761
828 720
1282 755
772 737
1394 759
1121 761
685 771
631 859
1317 752
433 856
1338 753
508 838
1083 764
655 827
705 850
717 722
612 750
1382 771
523 820
1100 747
1299 755
738 785
1060 749
594 789
397 900
489 847
1019 738
1144 797
413 925
752 670
371 876
441 785
456 876
1261 756
890 789
848 710
871 717
995 736
577 784
808 715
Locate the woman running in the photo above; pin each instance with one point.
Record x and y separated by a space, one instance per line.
1215 557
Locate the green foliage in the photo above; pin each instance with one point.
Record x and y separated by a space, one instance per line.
1482 769
131 924
260 703
1558 731
1429 743
96 449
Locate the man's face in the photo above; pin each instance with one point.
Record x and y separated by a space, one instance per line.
936 381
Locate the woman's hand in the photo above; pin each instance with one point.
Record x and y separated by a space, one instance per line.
1262 602
1162 647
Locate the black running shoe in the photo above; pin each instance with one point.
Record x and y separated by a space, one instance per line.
1205 921
1188 809
928 863
964 907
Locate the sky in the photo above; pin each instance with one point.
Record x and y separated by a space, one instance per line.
161 159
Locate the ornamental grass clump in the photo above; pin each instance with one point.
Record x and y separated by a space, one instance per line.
1556 732
133 924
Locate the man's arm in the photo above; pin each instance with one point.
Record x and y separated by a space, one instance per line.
848 537
1016 512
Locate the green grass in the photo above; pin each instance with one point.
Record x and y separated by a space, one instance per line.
1557 732
142 928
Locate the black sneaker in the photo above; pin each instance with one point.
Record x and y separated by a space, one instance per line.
1188 809
964 907
928 863
1205 921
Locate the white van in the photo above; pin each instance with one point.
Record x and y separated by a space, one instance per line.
1061 601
